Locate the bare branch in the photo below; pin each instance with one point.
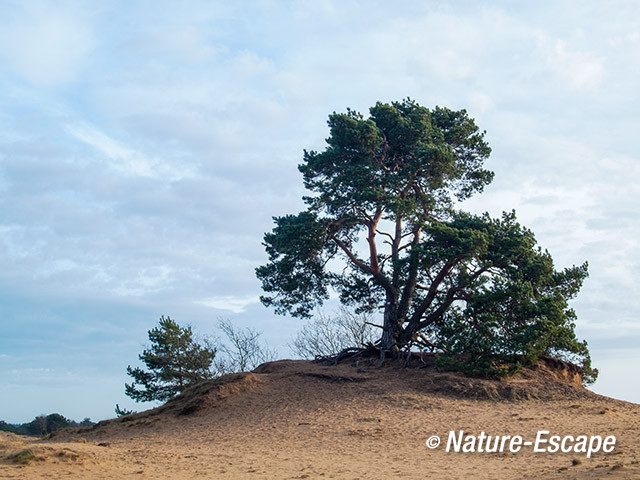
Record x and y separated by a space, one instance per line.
328 335
374 325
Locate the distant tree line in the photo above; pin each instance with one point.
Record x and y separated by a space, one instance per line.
43 425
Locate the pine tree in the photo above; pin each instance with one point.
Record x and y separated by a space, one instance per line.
174 361
381 229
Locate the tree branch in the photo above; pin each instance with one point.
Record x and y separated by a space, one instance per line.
410 286
359 263
395 250
437 313
433 290
386 234
379 276
374 325
371 238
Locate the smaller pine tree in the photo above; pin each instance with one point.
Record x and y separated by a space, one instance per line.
174 361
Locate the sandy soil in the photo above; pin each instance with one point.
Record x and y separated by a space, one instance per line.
296 419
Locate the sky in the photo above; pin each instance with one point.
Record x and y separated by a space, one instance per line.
146 146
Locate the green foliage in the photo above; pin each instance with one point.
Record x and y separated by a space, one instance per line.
86 422
23 457
381 230
478 365
517 310
55 421
174 361
403 163
121 412
36 427
43 425
8 427
298 256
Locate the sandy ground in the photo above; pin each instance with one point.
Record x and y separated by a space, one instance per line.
295 420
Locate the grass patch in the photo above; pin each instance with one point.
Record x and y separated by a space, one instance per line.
68 454
23 457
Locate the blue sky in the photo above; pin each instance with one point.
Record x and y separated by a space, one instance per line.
145 146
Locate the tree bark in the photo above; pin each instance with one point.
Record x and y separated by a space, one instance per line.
391 326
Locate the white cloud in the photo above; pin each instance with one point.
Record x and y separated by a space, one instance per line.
151 279
580 70
480 102
45 44
147 184
126 160
230 303
174 45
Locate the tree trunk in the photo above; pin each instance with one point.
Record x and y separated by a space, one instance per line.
391 326
407 334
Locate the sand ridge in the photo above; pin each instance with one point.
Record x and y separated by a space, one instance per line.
299 419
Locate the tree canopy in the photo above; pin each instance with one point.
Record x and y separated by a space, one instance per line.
174 360
381 229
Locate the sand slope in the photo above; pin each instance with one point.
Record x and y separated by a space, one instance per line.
298 419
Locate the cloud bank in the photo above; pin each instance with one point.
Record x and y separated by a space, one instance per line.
145 147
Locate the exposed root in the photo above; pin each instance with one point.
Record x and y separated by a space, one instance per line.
367 351
333 378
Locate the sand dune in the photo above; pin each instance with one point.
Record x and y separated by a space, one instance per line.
298 419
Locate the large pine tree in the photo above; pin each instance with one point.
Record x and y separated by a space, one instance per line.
381 230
